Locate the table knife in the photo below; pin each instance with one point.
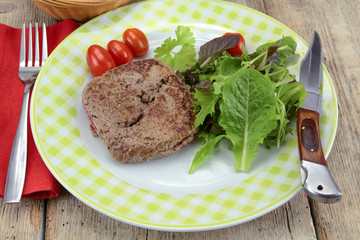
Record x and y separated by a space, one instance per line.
317 180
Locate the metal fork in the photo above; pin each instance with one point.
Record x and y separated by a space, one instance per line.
27 73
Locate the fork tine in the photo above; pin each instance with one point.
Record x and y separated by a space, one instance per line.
22 47
44 46
30 54
37 54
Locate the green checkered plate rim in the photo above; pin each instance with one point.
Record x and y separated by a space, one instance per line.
55 108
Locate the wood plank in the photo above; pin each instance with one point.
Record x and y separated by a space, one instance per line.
26 219
343 220
68 218
15 13
337 23
23 220
257 5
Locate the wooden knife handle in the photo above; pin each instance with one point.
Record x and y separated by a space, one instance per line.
309 136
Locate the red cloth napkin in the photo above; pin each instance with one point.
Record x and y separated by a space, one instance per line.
39 182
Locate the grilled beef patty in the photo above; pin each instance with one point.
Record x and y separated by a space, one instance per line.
140 110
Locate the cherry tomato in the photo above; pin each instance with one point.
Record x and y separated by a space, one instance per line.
137 41
99 60
120 52
237 50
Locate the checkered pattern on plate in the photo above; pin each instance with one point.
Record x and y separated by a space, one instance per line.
58 139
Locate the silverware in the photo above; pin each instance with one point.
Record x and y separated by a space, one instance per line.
27 73
317 180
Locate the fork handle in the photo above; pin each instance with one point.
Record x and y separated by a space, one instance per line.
15 178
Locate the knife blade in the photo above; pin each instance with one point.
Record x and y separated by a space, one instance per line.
317 180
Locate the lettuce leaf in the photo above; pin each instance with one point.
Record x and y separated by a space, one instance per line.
215 46
248 99
211 142
248 113
285 51
289 99
279 75
206 100
292 95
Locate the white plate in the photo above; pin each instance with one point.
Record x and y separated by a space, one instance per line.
161 194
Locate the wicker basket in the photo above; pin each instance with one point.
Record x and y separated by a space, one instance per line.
79 10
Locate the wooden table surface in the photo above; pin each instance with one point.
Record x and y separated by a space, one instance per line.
338 24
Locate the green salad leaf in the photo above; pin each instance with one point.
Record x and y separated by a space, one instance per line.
250 100
278 74
211 142
207 101
285 51
248 113
215 46
289 99
178 59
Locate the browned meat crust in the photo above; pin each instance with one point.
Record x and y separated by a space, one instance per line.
140 110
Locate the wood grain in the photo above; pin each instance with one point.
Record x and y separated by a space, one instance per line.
22 221
68 218
26 219
16 12
310 148
337 23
